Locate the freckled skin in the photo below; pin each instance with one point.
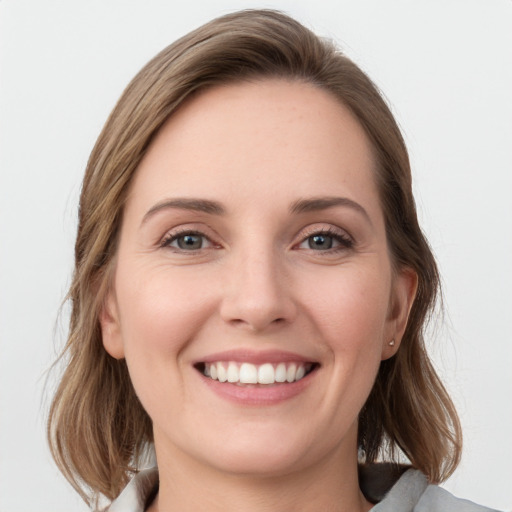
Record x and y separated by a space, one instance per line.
255 283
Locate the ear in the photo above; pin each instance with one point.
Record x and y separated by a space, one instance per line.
405 285
111 327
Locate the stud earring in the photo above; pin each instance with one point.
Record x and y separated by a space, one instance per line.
392 343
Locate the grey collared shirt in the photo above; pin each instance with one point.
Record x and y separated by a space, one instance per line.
410 493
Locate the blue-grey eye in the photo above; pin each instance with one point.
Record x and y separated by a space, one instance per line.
326 241
320 242
189 242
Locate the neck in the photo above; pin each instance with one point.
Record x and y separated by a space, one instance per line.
331 484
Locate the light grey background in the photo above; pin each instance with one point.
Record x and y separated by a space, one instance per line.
446 68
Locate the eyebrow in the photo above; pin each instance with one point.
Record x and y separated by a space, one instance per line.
198 205
214 208
323 203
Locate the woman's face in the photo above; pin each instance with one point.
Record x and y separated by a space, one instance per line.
253 251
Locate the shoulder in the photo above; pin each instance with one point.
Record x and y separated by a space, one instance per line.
137 495
412 493
409 492
436 498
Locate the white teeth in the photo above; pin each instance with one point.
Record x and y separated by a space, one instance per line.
222 374
281 372
248 373
291 372
266 374
233 373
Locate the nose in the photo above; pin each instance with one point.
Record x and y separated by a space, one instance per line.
258 292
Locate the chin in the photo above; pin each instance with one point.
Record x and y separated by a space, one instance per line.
264 451
257 462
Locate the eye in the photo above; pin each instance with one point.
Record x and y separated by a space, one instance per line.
326 240
320 242
187 241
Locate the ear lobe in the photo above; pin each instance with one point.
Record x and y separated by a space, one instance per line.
404 292
111 328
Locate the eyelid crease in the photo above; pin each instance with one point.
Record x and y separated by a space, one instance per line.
316 229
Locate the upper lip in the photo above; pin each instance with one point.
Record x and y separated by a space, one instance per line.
256 357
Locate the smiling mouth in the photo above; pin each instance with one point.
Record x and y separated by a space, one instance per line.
244 374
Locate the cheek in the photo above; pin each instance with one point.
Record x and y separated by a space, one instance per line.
350 311
160 312
350 306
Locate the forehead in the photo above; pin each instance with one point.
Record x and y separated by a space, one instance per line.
272 139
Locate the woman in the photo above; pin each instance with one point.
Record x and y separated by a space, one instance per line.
250 290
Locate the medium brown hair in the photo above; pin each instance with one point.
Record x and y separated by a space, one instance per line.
97 428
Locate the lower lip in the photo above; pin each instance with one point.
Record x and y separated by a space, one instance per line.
259 395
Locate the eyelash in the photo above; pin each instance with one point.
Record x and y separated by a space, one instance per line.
345 242
175 235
